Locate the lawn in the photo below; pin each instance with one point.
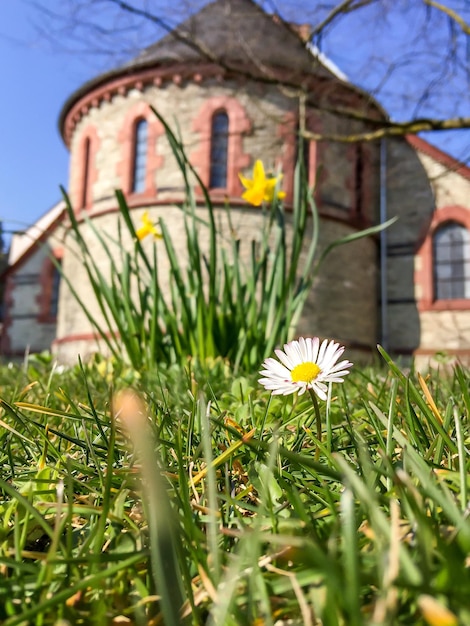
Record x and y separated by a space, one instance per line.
166 485
190 495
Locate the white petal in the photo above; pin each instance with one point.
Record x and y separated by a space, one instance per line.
282 356
321 352
334 379
276 368
285 389
313 345
320 389
331 376
330 356
343 365
335 356
338 374
304 351
293 352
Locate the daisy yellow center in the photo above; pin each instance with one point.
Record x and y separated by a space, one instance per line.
305 372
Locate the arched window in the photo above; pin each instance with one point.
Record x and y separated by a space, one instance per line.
139 161
219 151
451 262
86 172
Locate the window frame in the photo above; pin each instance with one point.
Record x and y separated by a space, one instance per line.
453 263
424 262
219 142
239 125
84 169
127 139
140 151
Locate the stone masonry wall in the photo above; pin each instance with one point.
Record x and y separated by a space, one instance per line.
341 305
344 301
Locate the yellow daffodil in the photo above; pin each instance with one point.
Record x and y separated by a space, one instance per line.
261 188
147 228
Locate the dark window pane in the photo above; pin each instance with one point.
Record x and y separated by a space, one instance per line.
140 156
86 172
219 151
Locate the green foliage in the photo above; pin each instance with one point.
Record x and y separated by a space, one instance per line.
229 298
233 521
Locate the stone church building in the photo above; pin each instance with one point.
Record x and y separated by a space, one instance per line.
240 85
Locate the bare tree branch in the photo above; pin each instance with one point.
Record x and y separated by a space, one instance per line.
450 13
343 7
417 76
394 129
175 32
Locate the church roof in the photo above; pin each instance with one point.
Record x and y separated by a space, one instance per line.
233 33
446 160
236 35
23 242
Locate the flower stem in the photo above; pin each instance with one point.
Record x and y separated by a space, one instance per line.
318 418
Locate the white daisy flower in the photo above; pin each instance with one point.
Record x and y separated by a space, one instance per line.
305 364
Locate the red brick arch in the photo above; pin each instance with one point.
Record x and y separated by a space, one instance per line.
424 262
239 125
84 169
139 111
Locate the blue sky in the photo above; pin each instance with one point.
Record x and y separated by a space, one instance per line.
38 76
35 83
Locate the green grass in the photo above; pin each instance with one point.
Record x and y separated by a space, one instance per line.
212 508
